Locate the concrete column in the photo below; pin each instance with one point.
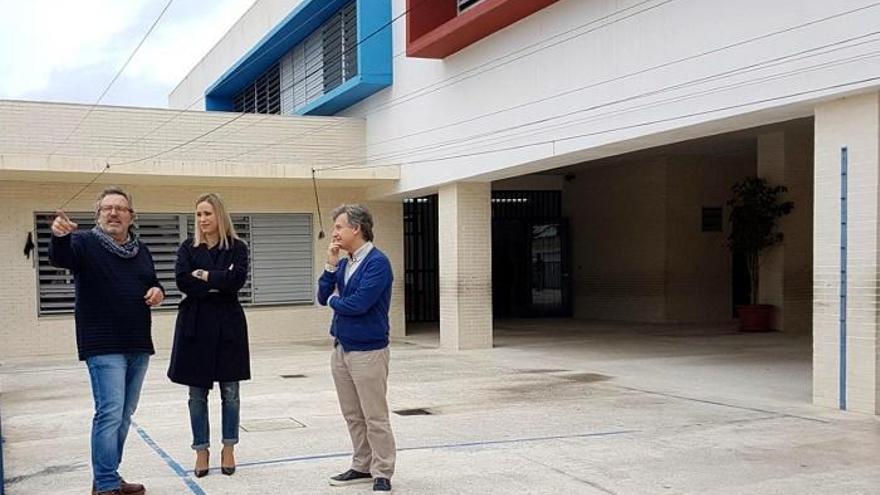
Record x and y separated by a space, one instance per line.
786 157
771 166
465 228
845 371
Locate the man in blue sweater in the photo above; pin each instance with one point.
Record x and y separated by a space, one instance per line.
358 288
116 285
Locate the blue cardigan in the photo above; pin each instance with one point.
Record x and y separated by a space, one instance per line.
111 314
360 322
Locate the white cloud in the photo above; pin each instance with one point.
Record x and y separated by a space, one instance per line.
45 45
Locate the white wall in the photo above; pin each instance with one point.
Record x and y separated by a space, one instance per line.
619 51
669 32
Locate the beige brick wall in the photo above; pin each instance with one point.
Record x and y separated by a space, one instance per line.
698 264
639 253
465 230
618 231
253 146
22 333
855 123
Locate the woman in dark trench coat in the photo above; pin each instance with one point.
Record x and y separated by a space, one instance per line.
210 338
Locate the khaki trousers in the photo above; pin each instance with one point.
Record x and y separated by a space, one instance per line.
361 379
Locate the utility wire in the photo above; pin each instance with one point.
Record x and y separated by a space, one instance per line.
738 71
641 124
113 81
554 96
277 43
431 88
409 96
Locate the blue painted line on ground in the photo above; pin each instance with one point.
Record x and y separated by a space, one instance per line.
178 469
482 443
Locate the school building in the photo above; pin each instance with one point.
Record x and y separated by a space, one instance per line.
546 158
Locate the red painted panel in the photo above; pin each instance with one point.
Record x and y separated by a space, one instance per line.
431 33
423 16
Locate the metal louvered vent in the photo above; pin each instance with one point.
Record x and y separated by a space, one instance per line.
263 96
320 63
281 253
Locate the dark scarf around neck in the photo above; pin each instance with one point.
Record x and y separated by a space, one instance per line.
127 250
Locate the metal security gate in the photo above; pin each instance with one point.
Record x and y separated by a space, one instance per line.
530 256
421 259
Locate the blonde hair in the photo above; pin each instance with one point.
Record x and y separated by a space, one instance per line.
224 222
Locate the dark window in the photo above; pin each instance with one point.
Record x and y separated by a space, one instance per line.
466 4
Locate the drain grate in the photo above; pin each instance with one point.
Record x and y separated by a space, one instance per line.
293 376
420 411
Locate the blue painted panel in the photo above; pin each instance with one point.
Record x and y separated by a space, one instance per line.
844 217
344 96
374 39
217 104
294 28
374 56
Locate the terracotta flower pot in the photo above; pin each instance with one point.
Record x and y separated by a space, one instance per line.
756 317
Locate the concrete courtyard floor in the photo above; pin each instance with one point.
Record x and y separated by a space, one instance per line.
557 407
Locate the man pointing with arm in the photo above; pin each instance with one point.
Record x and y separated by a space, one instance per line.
116 285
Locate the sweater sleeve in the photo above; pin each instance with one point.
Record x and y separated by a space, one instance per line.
327 284
232 278
183 269
375 279
64 252
155 279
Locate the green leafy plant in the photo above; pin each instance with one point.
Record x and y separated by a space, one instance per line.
755 208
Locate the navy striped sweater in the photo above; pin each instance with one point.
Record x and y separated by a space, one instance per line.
111 314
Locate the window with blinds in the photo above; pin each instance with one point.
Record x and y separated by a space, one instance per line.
466 4
317 65
281 250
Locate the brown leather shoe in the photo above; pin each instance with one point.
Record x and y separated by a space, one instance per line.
125 489
131 488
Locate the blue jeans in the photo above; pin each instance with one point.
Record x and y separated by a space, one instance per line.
198 415
116 387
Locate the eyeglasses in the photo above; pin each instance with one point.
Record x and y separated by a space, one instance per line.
116 208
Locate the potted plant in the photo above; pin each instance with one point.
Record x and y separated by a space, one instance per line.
754 210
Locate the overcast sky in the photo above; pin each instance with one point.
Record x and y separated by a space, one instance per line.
69 50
